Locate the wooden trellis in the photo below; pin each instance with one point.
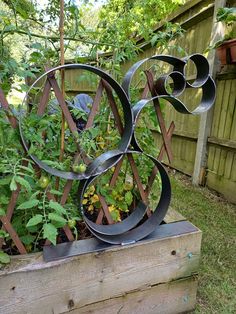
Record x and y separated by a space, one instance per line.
52 85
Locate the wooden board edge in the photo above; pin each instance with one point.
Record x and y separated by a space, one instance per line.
173 216
178 296
34 261
111 275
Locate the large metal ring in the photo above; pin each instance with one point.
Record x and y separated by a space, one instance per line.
128 122
127 231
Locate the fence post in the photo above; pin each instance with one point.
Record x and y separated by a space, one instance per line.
206 118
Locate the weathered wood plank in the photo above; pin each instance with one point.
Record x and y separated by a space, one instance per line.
233 172
216 160
173 216
206 118
211 157
233 126
184 165
217 108
222 125
224 109
223 186
172 298
222 162
228 73
39 287
228 164
77 80
230 111
222 142
192 153
183 155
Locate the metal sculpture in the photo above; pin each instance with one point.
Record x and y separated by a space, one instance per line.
131 229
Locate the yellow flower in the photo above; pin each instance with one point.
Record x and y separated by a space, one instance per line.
91 189
94 198
111 208
100 142
85 201
100 139
101 145
118 218
90 208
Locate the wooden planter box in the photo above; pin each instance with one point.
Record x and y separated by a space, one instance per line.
227 52
155 275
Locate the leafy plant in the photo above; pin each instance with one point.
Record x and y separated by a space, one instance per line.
228 17
38 217
35 217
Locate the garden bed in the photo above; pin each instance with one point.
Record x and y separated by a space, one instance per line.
155 275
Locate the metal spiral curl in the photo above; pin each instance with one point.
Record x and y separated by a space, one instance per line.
130 230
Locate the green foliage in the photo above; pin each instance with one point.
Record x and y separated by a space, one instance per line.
122 20
164 39
128 23
39 28
35 220
228 17
33 210
35 30
50 232
37 217
4 258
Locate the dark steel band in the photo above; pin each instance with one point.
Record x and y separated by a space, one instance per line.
127 231
131 229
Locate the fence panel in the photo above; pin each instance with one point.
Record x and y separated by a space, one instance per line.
222 141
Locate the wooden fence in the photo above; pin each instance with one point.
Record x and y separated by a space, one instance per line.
221 166
217 167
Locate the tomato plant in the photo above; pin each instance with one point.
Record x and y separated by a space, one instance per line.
44 182
38 217
71 223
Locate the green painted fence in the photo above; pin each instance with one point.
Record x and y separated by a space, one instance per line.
221 167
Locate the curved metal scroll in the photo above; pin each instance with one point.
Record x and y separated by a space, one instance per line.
203 80
128 122
127 231
131 229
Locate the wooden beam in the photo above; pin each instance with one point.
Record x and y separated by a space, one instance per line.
206 118
140 277
178 133
230 144
158 299
228 72
198 17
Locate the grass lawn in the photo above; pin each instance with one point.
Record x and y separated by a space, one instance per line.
217 220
